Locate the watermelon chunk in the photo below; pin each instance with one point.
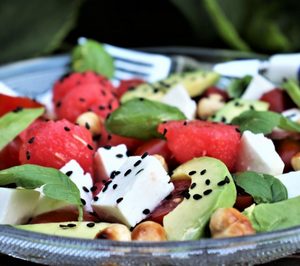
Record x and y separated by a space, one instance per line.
187 140
53 144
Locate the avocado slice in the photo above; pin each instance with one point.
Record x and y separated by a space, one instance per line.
235 107
212 187
67 229
195 83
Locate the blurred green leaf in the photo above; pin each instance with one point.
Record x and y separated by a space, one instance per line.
33 27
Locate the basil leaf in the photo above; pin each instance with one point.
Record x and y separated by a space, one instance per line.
91 55
293 90
54 183
13 123
139 118
263 188
237 86
257 121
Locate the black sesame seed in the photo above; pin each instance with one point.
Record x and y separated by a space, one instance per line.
90 147
87 125
83 202
81 99
237 130
141 99
106 185
114 174
197 197
119 155
146 211
85 189
93 188
139 171
227 180
221 183
186 194
101 107
97 137
207 181
64 226
207 192
67 129
236 104
127 172
107 147
31 140
138 162
90 225
213 116
184 123
165 131
28 155
193 185
109 107
145 154
17 109
119 200
69 173
203 172
192 172
58 104
155 90
251 107
115 186
95 198
71 225
223 119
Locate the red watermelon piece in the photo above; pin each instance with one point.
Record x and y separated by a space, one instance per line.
71 80
85 98
187 140
53 144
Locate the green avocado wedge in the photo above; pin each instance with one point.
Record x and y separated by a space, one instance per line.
274 216
212 187
87 230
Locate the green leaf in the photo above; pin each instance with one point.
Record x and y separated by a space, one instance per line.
33 27
257 122
238 86
91 55
54 183
264 122
13 123
262 187
293 90
139 118
224 26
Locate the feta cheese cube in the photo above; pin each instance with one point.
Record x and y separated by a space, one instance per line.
179 97
257 153
17 205
138 188
257 87
291 181
109 159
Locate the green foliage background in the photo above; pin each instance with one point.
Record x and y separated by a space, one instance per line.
31 28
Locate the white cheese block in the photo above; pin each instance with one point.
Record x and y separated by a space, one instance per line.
257 153
83 181
179 97
4 89
109 159
139 187
17 205
291 181
257 87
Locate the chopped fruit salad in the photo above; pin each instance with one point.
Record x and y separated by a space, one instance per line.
182 158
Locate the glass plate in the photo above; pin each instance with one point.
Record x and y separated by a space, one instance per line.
34 77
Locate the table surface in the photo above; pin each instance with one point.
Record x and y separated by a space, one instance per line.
292 260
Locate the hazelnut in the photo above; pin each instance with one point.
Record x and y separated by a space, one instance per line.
117 232
229 222
162 161
208 106
149 231
90 121
295 161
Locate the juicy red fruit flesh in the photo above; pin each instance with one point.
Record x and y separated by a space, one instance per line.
53 144
126 85
187 140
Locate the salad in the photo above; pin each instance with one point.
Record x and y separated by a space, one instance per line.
178 159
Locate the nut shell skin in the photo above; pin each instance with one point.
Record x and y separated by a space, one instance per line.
149 231
117 232
229 222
